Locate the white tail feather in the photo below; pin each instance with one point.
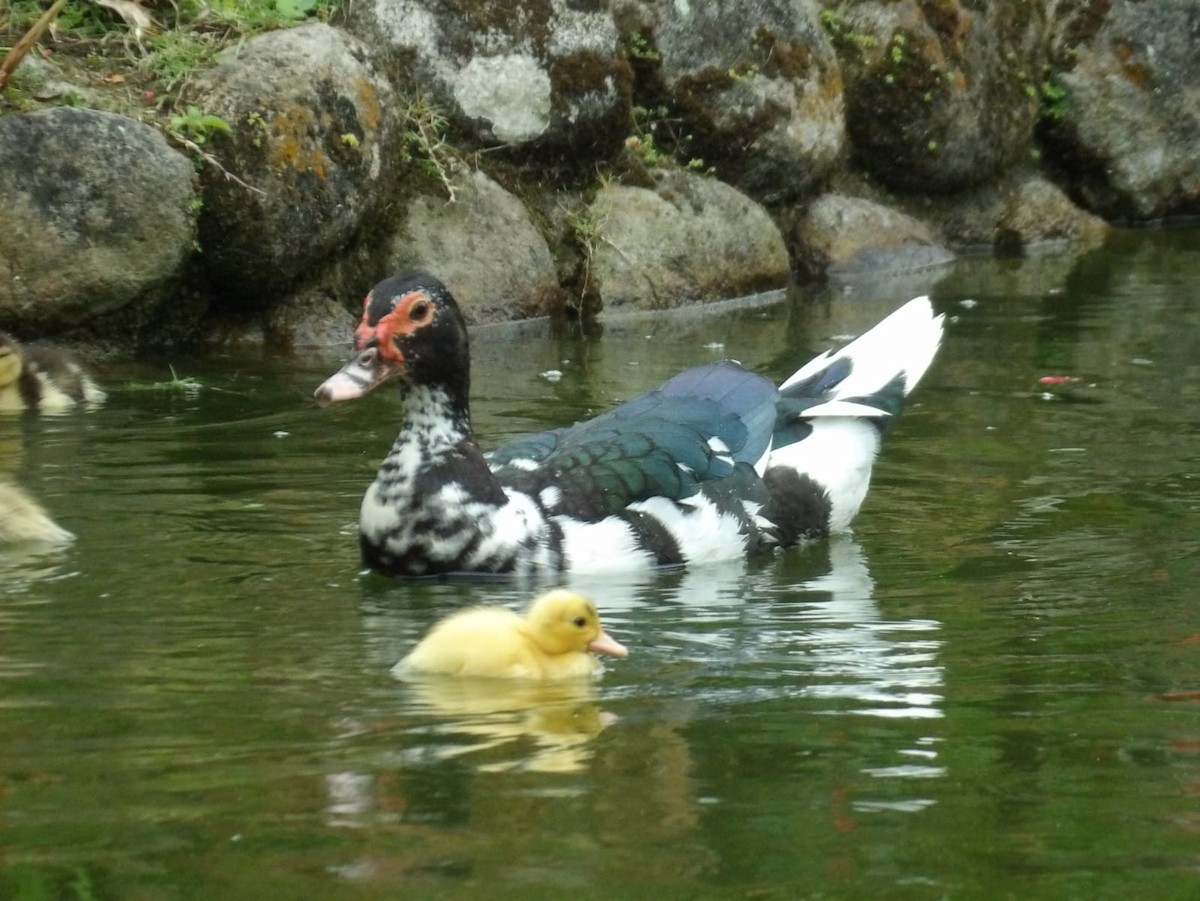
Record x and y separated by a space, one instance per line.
906 341
844 408
839 452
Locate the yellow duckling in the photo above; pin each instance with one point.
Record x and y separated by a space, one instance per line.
553 641
42 378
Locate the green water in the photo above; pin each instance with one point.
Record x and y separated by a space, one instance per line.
989 690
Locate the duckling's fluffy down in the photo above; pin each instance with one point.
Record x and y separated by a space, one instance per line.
555 640
40 377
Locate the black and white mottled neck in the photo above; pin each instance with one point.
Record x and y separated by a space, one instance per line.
435 507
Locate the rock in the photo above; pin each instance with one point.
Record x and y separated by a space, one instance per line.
483 245
315 135
99 218
838 117
1126 133
842 237
1021 212
1037 215
531 74
939 97
758 85
310 319
690 239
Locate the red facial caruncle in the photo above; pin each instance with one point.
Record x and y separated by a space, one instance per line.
410 312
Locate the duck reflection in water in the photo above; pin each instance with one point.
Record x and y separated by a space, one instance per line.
507 725
31 542
23 522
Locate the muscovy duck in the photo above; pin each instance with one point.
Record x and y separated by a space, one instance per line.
715 463
556 639
39 377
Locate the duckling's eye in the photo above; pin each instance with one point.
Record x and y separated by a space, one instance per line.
579 622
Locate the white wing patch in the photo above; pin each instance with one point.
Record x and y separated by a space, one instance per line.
599 547
524 464
718 447
701 531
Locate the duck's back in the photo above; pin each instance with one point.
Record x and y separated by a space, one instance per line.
480 642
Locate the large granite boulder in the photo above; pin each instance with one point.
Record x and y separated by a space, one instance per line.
483 244
689 239
757 85
1124 129
939 96
845 237
314 144
528 74
98 218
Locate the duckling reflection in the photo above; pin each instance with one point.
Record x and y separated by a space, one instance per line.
43 378
508 724
24 522
31 543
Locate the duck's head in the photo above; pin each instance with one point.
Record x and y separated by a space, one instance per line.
11 361
563 622
411 328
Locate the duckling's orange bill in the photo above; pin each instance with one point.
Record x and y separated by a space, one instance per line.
606 644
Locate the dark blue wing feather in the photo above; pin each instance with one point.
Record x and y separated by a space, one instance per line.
531 448
821 384
661 443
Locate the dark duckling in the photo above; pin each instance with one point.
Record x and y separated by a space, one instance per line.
42 378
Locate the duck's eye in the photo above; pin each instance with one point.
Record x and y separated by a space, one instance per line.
579 622
419 311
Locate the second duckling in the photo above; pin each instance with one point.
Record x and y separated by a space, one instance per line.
42 378
555 640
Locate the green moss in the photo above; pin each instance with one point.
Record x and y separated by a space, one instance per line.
639 46
1053 98
127 64
842 35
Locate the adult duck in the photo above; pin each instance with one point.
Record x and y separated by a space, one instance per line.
715 463
42 378
557 639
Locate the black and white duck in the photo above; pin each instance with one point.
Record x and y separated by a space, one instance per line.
42 378
716 463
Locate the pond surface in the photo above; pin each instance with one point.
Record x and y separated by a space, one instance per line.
990 689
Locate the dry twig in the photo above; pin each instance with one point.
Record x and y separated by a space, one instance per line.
13 58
